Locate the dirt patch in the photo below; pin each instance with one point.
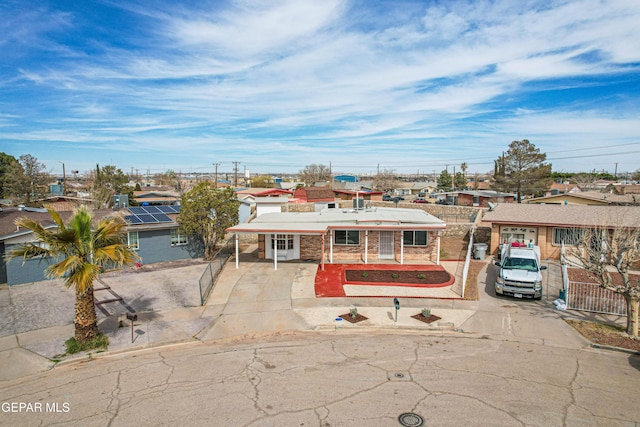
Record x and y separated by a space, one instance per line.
425 319
583 276
471 287
453 248
604 334
353 319
414 277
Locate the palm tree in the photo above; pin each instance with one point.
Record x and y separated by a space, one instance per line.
81 253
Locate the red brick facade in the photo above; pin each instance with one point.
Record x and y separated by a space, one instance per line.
311 248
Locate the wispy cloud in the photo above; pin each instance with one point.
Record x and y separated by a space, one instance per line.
287 83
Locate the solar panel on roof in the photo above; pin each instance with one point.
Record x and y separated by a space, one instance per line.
147 218
152 209
132 219
136 210
160 217
165 209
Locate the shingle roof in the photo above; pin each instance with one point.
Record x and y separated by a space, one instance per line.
564 215
8 217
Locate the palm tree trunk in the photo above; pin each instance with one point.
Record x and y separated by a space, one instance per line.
86 321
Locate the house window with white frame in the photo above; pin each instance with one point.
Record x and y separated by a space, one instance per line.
415 238
284 241
132 240
177 239
346 237
568 236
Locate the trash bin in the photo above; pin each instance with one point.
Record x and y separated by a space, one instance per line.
479 250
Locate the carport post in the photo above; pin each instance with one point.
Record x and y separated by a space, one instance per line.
275 251
237 251
366 246
401 247
438 250
322 254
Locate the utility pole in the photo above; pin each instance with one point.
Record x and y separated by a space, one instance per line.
215 181
64 180
235 174
615 174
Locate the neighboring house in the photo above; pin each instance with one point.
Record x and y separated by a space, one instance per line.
314 194
246 209
269 204
346 178
403 189
363 235
263 192
361 194
156 197
587 198
562 188
288 185
482 199
155 237
423 187
550 225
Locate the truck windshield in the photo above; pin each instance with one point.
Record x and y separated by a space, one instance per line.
520 264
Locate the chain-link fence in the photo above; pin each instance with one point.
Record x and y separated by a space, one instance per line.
213 269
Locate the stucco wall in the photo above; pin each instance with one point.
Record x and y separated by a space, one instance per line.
31 271
155 246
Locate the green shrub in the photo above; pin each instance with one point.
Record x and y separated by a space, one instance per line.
101 342
394 275
422 276
426 312
353 311
365 274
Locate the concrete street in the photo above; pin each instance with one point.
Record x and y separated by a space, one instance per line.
265 352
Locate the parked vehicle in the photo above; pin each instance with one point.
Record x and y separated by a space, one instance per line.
386 197
420 200
520 272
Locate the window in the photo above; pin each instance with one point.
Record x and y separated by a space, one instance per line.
347 237
177 239
132 240
285 241
568 236
512 237
415 238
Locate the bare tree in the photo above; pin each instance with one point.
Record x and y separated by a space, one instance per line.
315 173
585 181
602 251
385 180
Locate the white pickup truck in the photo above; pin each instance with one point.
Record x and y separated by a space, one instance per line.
520 272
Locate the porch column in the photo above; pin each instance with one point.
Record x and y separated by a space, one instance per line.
322 259
401 247
275 250
438 250
366 246
237 251
331 247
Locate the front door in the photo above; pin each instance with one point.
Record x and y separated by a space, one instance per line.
386 245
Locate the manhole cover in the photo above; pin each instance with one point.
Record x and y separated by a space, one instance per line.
410 420
399 375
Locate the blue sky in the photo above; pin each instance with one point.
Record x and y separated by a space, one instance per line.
413 86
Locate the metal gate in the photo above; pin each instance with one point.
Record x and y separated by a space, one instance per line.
385 250
595 298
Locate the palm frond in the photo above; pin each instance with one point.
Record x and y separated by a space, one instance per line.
28 251
83 277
